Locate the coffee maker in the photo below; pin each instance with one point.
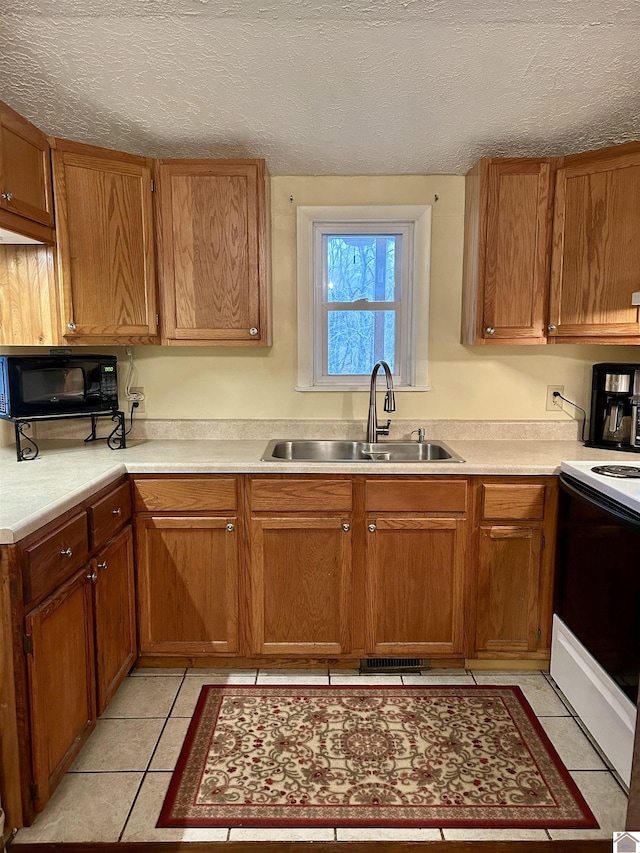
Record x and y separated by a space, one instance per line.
615 407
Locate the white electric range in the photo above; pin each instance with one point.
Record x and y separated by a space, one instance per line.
622 486
595 648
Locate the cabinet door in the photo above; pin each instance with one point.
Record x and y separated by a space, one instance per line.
61 681
187 575
213 250
415 586
114 616
596 245
105 244
299 586
508 584
25 168
507 251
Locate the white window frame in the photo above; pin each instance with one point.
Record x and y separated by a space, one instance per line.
414 222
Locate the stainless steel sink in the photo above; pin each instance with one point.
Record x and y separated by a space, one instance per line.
312 450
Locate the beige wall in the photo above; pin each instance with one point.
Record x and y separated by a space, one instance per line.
469 383
466 382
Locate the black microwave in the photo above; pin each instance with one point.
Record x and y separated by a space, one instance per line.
41 386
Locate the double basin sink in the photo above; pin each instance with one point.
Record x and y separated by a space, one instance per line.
306 450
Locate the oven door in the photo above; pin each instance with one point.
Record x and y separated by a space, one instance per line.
598 579
595 649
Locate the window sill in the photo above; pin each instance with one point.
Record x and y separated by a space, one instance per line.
361 388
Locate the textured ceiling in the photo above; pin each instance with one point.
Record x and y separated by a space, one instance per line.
351 87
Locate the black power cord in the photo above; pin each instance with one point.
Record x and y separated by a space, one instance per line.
575 406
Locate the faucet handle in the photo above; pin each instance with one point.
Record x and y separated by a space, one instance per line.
383 430
420 432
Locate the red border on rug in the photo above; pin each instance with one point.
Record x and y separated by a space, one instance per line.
166 818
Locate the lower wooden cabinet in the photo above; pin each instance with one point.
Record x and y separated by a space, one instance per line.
60 663
514 561
187 585
508 588
300 586
415 586
114 607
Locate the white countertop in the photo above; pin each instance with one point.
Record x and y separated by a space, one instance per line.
34 492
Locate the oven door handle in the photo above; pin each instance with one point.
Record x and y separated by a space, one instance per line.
597 499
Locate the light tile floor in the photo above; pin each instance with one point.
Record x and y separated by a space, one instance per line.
115 788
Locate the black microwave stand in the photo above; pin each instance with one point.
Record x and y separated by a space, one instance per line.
27 448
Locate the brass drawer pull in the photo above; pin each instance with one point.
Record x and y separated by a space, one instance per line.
66 552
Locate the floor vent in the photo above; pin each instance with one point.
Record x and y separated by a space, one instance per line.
372 665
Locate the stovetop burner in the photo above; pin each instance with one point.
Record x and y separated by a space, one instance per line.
624 472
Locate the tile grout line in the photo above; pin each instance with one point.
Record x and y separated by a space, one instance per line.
153 752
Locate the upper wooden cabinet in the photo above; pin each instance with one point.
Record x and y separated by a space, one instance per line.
106 262
552 249
596 246
26 205
213 252
508 209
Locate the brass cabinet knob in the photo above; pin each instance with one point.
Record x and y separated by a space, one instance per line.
551 327
253 331
230 528
8 196
490 330
372 528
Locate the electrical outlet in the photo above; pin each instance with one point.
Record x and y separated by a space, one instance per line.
553 403
137 395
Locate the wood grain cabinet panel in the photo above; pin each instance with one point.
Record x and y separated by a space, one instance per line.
214 253
415 586
508 577
508 213
187 585
514 546
107 514
300 586
51 560
61 681
596 246
106 259
300 494
425 495
193 494
25 176
114 608
503 500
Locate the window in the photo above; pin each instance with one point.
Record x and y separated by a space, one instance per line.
363 276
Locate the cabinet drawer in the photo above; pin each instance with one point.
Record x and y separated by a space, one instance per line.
519 500
185 495
416 496
108 514
303 495
53 559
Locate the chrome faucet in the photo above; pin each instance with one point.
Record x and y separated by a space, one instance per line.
373 429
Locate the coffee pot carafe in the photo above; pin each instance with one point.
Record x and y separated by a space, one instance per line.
615 405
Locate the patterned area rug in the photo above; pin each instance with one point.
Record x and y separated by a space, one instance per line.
369 756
